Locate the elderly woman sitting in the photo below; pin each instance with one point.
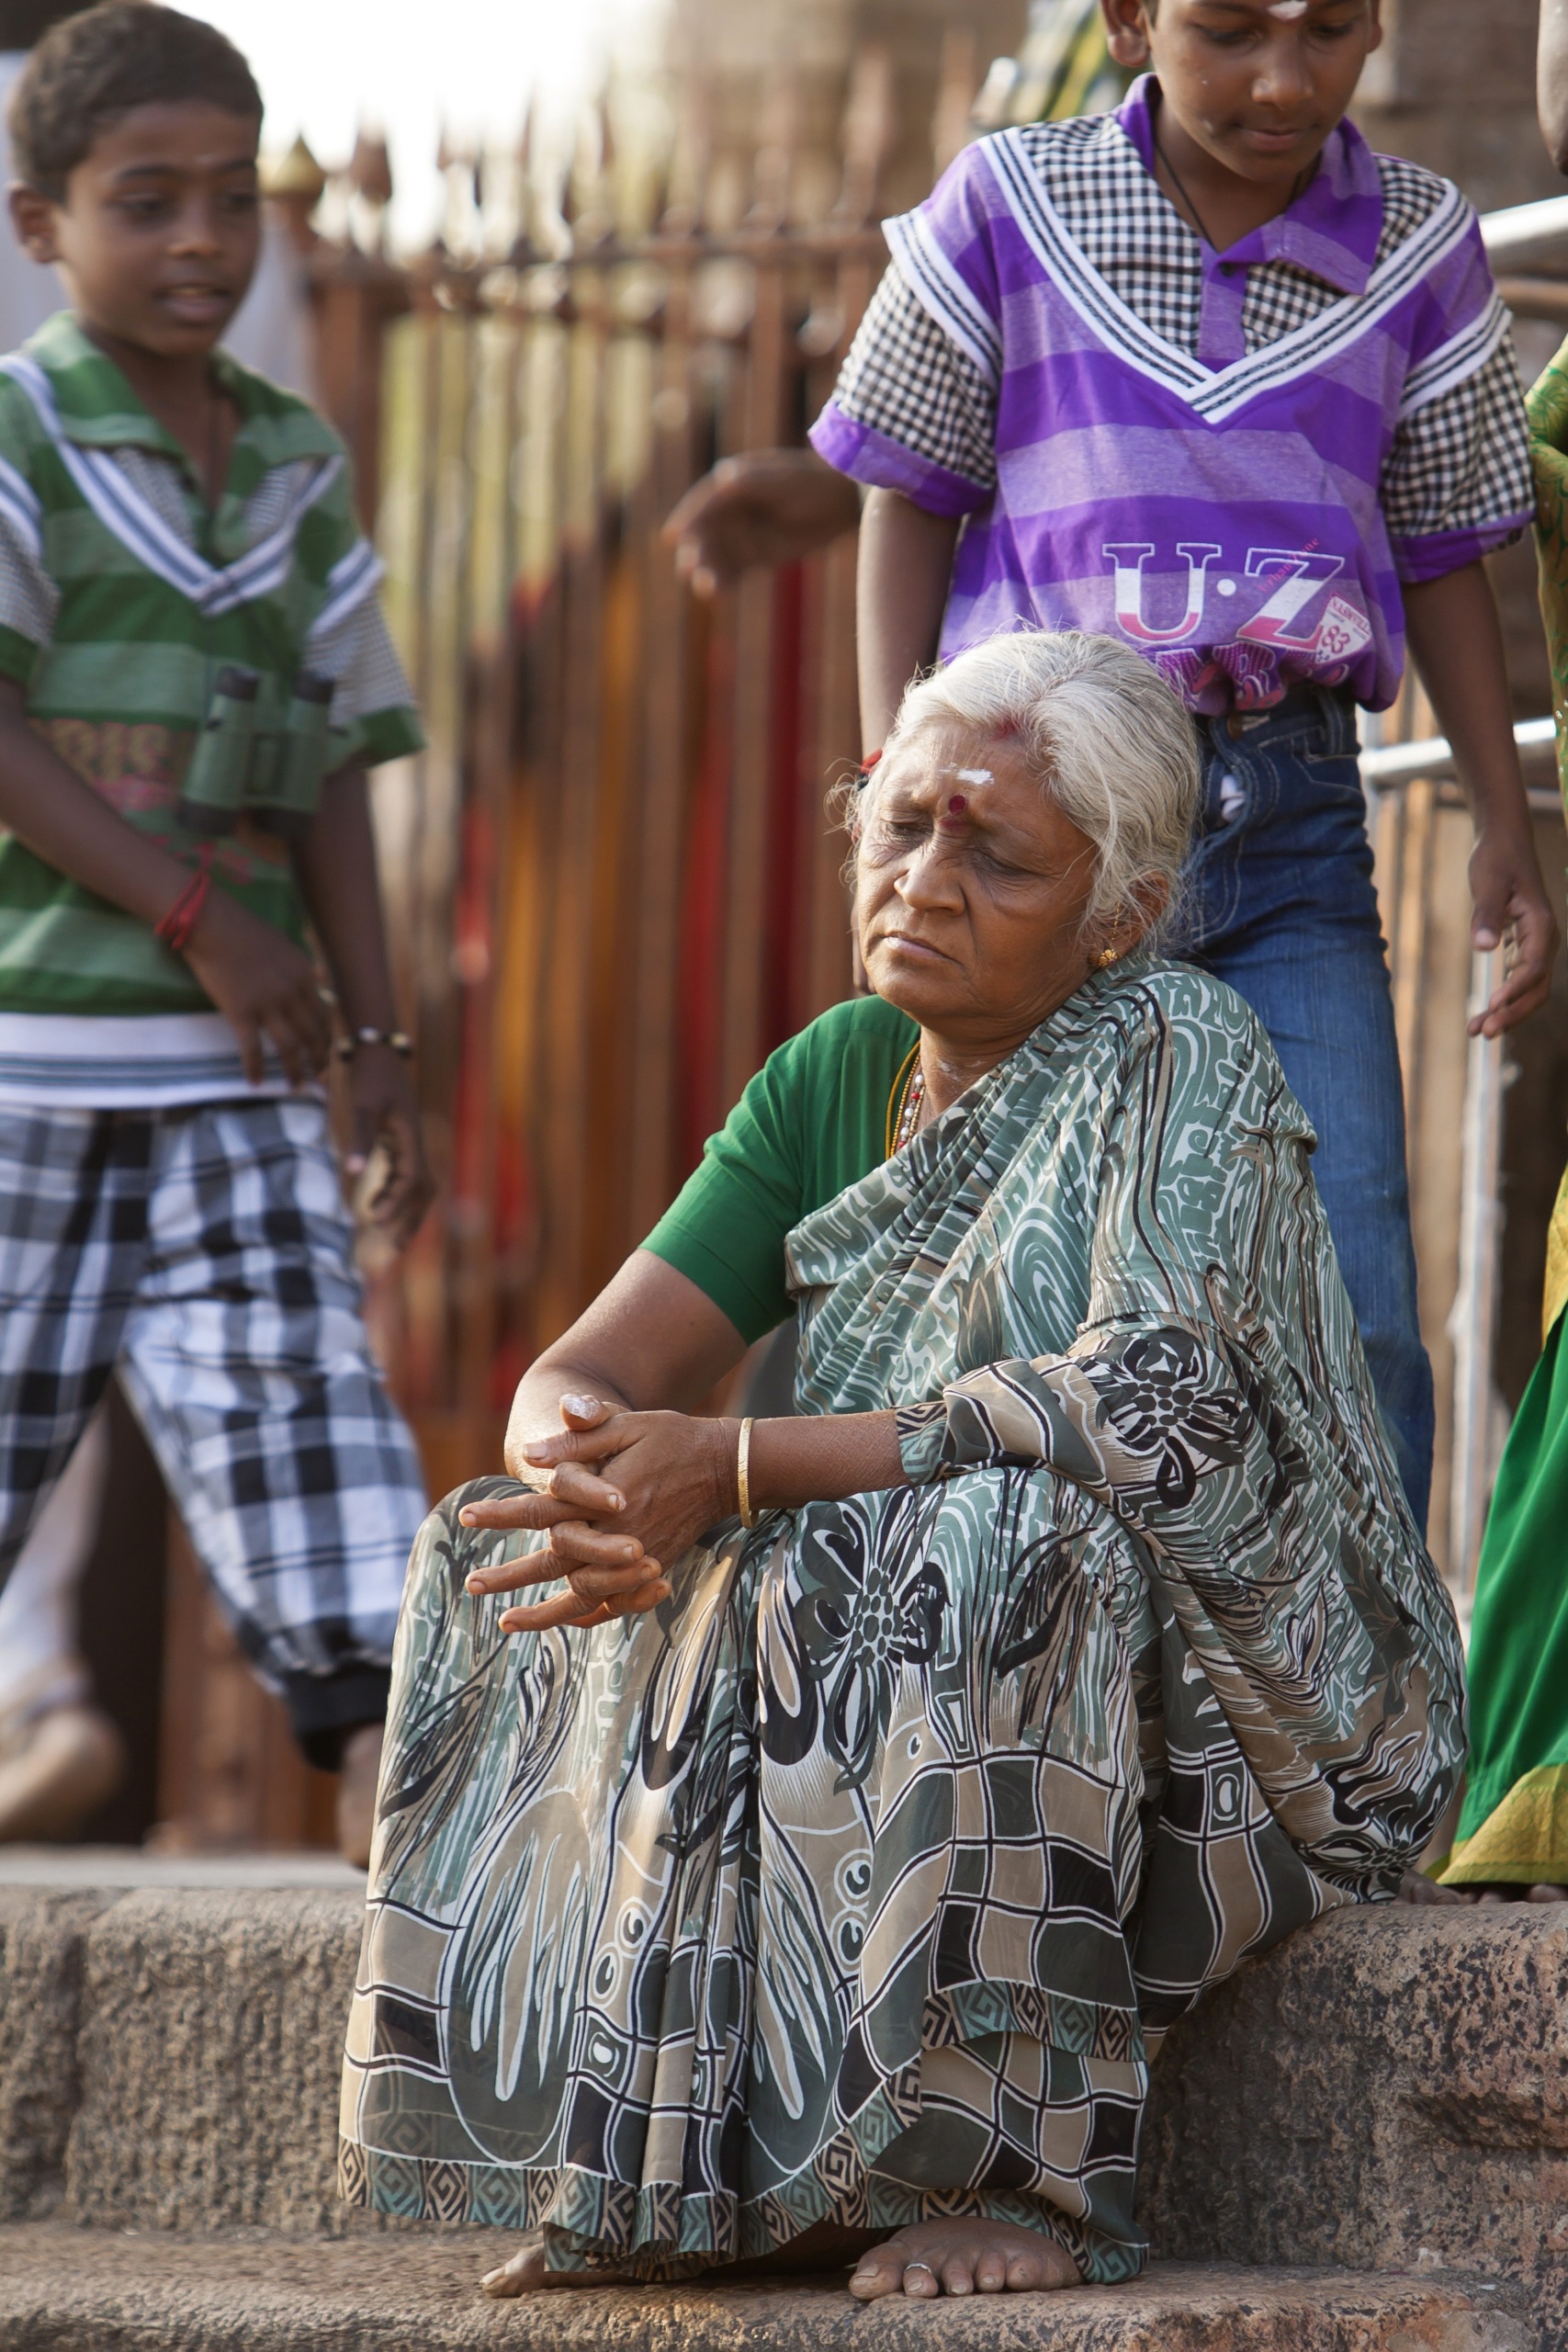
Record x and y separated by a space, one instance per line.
818 1870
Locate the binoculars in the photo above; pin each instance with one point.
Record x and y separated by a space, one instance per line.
272 775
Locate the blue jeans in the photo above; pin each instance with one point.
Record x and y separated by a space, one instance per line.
1281 906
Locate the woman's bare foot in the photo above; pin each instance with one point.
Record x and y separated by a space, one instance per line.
1416 1887
521 2274
526 2271
962 2259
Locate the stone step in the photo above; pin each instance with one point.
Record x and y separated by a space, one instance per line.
1386 2088
1388 2091
169 2058
74 2291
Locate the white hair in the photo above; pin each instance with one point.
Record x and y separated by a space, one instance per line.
1104 734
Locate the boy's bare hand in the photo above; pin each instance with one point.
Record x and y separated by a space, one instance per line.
263 986
1511 910
1456 641
766 506
385 1111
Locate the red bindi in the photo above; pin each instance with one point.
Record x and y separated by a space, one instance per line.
957 805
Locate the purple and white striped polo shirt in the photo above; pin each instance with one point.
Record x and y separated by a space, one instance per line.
1220 509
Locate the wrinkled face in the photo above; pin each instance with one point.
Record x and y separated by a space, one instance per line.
158 235
971 888
1258 84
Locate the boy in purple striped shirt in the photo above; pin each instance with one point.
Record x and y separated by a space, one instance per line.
1210 376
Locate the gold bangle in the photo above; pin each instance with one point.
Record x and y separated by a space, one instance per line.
743 1476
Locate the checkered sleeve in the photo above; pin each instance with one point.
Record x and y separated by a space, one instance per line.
1456 484
910 381
911 412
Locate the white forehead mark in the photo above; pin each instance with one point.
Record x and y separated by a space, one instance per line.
1288 8
974 775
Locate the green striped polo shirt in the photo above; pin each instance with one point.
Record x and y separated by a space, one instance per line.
122 595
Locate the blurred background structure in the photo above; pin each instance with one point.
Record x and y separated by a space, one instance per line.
613 885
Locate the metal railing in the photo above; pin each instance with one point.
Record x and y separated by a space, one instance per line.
1527 237
1527 248
1387 767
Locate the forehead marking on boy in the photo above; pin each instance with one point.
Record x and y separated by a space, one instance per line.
1288 8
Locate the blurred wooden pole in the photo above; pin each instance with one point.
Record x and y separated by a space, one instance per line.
660 827
746 878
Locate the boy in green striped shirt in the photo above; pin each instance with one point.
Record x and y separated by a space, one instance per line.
193 678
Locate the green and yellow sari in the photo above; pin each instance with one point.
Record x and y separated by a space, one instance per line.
1514 1827
857 1883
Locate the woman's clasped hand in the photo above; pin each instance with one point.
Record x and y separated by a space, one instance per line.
618 1494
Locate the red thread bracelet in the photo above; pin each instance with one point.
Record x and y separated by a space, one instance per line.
177 925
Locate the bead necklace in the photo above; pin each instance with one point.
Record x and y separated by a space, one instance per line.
909 1110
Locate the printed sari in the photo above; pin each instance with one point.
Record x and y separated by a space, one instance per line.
859 1880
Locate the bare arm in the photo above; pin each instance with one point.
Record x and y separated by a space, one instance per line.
650 1339
1458 645
336 865
902 582
1551 79
259 980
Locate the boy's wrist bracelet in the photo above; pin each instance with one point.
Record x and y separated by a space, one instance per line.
397 1039
176 926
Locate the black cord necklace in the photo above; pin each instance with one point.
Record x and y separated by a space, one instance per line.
1180 186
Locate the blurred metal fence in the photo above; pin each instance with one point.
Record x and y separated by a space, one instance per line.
613 885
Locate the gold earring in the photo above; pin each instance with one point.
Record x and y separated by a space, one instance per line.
1106 958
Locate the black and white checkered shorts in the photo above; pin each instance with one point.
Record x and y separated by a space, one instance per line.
205 1252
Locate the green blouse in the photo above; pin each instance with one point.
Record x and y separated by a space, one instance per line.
813 1121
